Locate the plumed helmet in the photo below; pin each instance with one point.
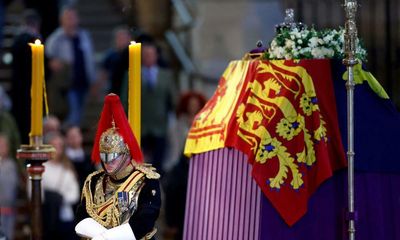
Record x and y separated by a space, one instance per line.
114 135
112 145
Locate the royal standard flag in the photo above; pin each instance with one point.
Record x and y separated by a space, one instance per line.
282 115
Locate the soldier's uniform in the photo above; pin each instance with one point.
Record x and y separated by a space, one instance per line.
121 201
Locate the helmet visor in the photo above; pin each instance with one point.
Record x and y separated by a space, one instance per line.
109 157
113 164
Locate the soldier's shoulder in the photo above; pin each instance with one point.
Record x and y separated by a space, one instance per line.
148 170
94 176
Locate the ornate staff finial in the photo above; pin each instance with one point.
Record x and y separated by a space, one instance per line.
350 35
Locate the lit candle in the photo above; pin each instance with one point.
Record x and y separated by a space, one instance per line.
37 88
134 88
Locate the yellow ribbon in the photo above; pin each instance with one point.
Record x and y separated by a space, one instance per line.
45 98
360 75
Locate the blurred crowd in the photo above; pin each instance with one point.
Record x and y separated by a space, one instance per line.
72 78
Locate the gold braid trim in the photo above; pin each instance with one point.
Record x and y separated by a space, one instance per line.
147 169
150 234
109 216
88 181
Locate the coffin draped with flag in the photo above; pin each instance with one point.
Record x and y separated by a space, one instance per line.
282 115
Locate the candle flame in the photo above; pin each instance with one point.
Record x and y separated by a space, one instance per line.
37 42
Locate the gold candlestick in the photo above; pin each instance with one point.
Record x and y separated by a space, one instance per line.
36 153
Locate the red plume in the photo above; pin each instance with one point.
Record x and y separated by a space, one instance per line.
113 110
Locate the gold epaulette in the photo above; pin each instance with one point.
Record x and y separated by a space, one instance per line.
147 169
93 174
88 180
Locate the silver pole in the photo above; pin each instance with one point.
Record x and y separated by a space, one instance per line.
350 37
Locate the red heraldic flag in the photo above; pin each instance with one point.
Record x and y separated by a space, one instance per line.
282 115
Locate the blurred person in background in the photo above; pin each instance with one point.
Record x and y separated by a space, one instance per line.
21 74
5 100
158 101
109 65
75 152
70 52
189 104
3 5
61 192
8 125
48 10
51 123
8 188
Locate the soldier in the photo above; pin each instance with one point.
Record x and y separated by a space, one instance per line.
122 200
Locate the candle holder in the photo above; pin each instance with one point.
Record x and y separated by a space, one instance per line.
35 154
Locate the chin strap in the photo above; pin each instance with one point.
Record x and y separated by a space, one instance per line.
123 172
122 232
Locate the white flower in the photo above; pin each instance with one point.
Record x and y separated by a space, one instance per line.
304 33
328 38
289 43
331 53
273 43
341 37
327 52
313 42
271 53
278 52
329 45
317 53
288 56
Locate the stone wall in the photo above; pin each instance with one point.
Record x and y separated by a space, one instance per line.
226 30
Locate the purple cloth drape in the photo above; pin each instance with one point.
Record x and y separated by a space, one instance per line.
377 202
223 200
